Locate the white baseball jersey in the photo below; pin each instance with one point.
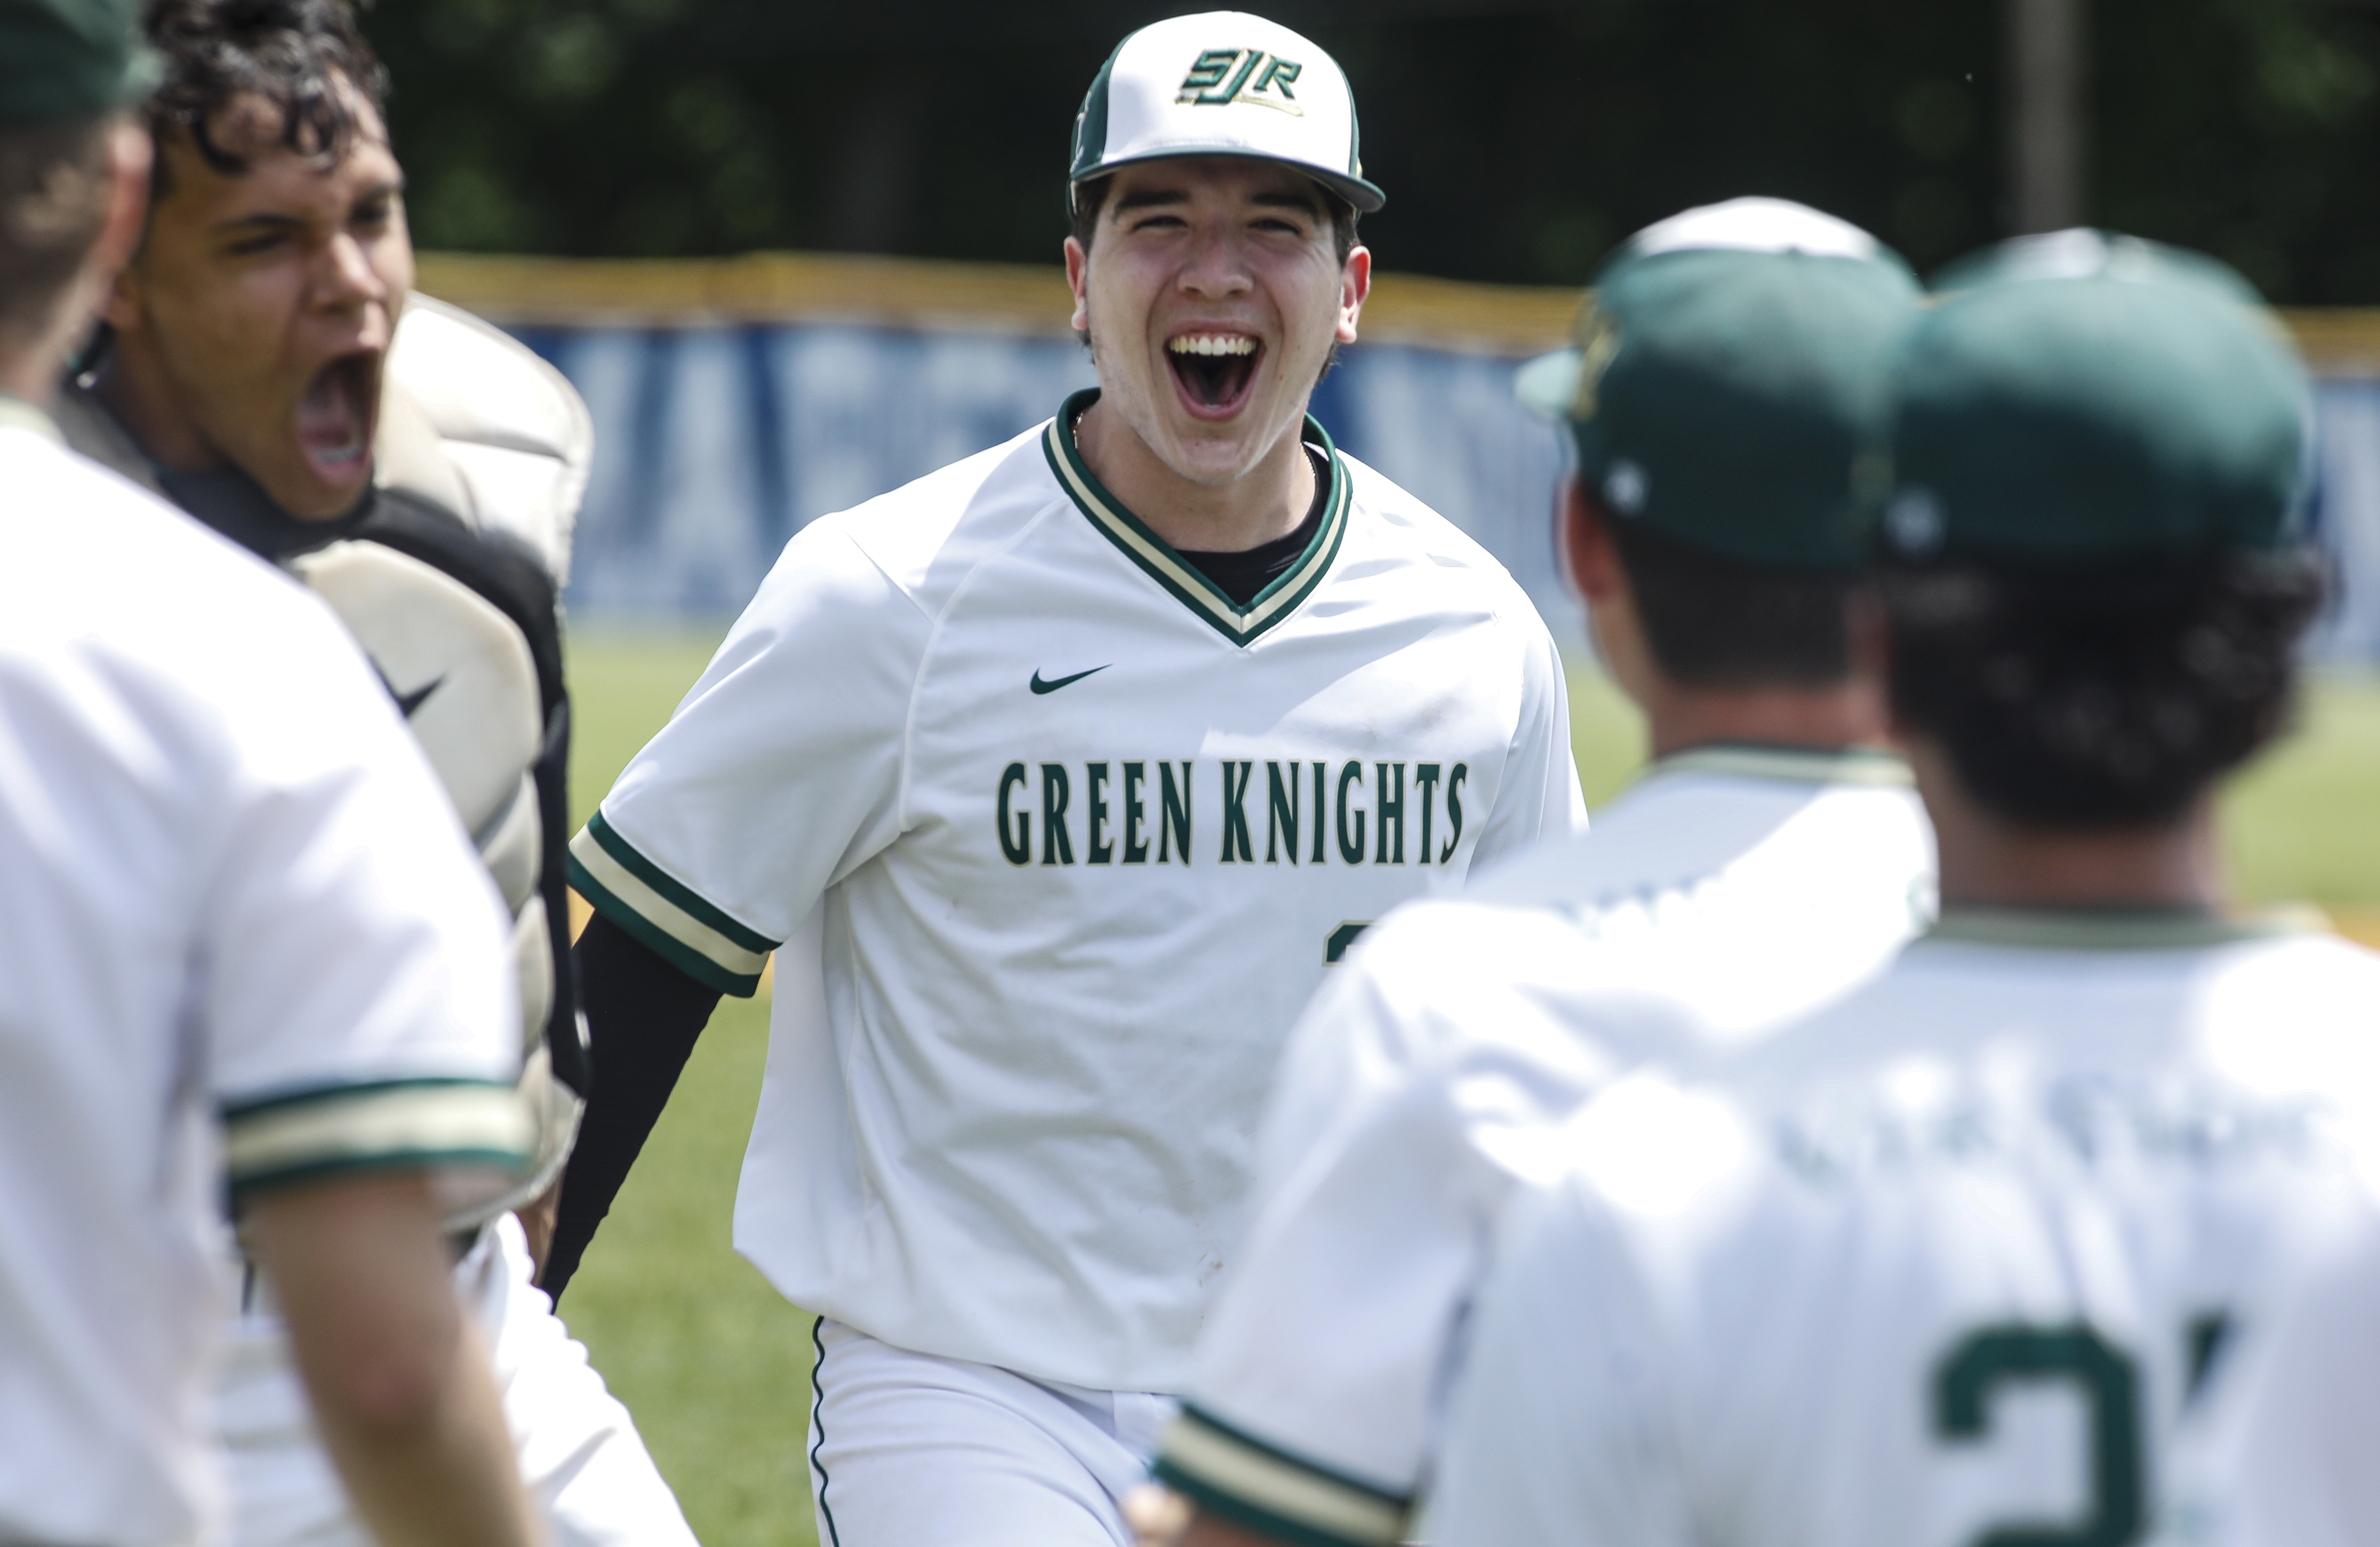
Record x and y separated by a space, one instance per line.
1730 889
241 936
1085 833
1966 1259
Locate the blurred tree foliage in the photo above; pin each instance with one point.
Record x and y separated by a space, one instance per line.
1517 140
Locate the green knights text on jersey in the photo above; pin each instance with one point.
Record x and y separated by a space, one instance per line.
1138 811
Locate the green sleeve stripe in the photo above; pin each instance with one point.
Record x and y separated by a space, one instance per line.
678 954
685 941
396 1125
505 1162
671 890
1244 1479
312 1095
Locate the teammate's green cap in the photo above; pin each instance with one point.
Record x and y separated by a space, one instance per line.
1222 83
2084 398
70 58
1732 383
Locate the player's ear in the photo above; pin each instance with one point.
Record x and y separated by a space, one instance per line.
130 151
1078 269
1354 287
1589 556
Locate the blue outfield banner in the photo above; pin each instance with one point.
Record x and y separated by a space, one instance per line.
715 444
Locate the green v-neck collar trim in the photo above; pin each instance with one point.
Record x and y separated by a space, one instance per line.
2106 928
17 414
1871 766
1159 560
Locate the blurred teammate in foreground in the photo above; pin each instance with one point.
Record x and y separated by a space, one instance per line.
1728 398
1078 761
268 371
1987 1252
242 944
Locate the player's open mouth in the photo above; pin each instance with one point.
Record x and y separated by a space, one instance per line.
1213 371
334 417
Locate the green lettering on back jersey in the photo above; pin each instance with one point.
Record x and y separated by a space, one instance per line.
1426 788
1015 842
1350 849
1235 812
2104 1376
1281 801
1057 848
1173 814
1135 848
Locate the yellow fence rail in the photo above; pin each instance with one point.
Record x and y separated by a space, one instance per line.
1026 298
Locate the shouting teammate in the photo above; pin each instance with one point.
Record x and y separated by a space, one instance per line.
249 379
1977 1255
1730 389
243 948
1073 766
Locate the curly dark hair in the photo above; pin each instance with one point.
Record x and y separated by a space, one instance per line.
306 57
1713 621
2100 697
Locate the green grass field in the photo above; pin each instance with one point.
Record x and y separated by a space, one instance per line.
716 1366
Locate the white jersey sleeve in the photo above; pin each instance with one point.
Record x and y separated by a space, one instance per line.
1433 1075
241 932
1559 1434
1392 1136
1540 797
346 897
779 775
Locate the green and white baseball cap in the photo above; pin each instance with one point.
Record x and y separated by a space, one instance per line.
1732 385
1222 83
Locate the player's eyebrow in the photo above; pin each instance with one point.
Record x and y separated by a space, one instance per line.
1283 200
280 220
263 220
1149 199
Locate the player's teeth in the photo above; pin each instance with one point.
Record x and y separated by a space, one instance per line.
1212 344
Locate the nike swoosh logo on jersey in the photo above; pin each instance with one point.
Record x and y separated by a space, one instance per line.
408 702
1040 686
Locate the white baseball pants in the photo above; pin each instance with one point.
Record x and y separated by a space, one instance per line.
908 1449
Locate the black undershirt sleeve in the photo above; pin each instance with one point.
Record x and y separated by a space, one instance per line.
643 1016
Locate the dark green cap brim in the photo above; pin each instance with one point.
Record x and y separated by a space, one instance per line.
64 59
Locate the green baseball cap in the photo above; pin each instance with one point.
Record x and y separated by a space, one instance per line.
2084 398
1732 387
70 58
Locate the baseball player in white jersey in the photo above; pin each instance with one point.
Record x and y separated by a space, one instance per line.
244 948
1734 366
418 470
1996 1249
1064 774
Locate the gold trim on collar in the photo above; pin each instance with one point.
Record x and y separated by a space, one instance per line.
1157 559
2111 928
1870 766
17 414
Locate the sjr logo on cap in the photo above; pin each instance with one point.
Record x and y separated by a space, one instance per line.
1223 75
